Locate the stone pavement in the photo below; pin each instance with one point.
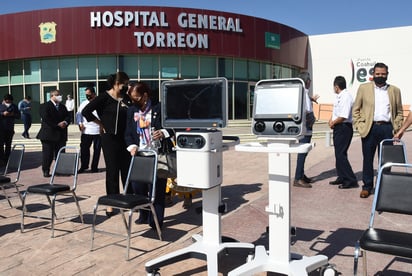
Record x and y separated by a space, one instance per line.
328 220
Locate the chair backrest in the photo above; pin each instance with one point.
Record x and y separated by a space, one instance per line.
15 160
393 190
66 164
143 169
391 150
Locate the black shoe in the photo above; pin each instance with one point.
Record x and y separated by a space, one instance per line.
308 179
348 185
46 174
94 170
82 170
336 182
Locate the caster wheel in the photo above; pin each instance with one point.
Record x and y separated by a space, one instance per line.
329 270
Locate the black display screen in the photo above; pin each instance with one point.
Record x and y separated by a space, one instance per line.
200 103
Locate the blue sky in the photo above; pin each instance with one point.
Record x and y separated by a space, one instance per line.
309 16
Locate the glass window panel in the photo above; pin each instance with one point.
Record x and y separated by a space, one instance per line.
254 71
241 100
107 65
49 70
230 100
207 67
34 92
31 71
87 68
16 72
189 67
240 69
226 68
4 90
266 71
67 69
170 67
129 64
17 93
4 73
149 67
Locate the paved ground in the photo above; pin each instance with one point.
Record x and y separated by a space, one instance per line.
328 221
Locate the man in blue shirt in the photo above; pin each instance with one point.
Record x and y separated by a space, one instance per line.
25 110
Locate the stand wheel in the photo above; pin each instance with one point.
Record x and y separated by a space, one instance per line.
329 270
154 273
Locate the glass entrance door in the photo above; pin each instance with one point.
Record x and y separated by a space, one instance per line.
251 95
46 89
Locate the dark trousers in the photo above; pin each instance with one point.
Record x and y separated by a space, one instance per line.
6 138
300 162
27 121
369 145
159 202
49 152
86 141
342 137
117 160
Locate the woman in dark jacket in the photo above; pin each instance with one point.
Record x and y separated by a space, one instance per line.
112 111
143 127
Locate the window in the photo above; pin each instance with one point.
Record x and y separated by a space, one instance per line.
240 69
254 71
149 67
67 69
31 71
4 73
87 68
207 67
226 68
170 67
189 66
107 66
49 70
129 64
16 72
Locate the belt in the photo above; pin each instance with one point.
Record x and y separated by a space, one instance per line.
381 122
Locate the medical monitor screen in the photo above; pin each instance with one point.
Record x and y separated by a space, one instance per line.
200 103
278 101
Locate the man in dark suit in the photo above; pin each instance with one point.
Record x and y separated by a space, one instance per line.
53 131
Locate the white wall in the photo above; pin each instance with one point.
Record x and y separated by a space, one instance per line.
333 54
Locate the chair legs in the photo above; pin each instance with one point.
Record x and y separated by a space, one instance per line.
53 216
128 225
7 197
358 250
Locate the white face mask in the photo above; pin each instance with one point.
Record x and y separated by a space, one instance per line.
58 98
7 104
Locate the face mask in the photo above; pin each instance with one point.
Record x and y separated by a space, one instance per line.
380 80
7 104
59 98
89 97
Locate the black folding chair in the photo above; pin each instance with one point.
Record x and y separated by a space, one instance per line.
65 169
392 150
142 169
11 174
393 194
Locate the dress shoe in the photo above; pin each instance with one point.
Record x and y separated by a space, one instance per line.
46 174
301 183
348 185
308 179
336 182
365 193
81 170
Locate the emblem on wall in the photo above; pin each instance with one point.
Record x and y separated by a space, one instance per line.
47 32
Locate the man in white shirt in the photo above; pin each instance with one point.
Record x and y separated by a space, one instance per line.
70 106
341 123
90 134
